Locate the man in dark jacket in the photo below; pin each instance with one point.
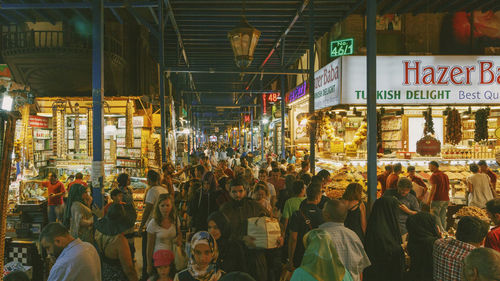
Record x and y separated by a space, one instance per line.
237 211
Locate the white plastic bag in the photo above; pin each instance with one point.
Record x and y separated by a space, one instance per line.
265 230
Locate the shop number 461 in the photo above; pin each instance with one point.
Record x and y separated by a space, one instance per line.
341 47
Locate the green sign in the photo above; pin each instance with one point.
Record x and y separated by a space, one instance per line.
342 47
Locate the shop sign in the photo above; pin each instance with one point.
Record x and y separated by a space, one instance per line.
38 121
337 146
341 47
247 118
327 85
296 93
424 80
42 134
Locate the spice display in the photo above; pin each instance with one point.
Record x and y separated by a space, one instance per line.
473 212
453 127
429 123
481 131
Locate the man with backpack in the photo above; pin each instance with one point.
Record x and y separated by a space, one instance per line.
308 217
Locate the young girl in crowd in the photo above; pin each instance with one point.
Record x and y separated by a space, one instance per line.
203 254
164 266
164 229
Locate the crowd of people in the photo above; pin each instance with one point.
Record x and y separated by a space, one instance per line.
195 226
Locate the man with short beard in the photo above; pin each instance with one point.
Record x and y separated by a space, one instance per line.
237 211
76 260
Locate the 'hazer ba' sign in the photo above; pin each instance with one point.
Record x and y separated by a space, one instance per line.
418 74
296 93
424 80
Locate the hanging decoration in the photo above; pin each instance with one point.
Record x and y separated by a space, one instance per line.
59 139
77 128
481 131
90 132
429 123
129 125
428 145
453 127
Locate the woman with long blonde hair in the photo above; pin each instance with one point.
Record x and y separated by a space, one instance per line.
164 231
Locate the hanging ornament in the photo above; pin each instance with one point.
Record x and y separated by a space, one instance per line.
77 128
129 125
89 132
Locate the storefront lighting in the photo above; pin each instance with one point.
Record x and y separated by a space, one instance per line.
7 102
235 129
303 122
265 120
185 131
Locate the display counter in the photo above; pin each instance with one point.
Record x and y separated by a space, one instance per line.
354 170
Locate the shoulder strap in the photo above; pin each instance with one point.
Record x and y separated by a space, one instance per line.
306 220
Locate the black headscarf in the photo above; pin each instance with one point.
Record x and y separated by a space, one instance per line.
75 195
222 224
383 241
422 233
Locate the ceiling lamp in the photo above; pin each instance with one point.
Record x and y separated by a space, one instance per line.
243 39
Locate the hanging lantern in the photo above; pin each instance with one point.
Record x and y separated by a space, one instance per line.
243 39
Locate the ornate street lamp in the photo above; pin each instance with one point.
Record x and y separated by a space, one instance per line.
243 39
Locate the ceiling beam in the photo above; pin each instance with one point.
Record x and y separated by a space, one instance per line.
226 105
73 5
235 71
231 92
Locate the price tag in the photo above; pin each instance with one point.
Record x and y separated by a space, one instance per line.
337 147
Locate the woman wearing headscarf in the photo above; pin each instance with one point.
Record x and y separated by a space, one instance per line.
321 260
202 265
422 233
231 252
383 242
110 241
78 215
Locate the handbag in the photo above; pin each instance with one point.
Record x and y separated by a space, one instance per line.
265 230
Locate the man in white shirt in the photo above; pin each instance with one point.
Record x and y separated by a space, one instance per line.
479 187
349 247
151 198
76 260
